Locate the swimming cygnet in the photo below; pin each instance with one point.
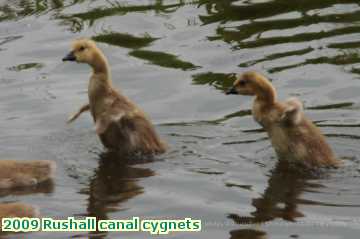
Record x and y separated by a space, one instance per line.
21 210
119 123
294 137
24 173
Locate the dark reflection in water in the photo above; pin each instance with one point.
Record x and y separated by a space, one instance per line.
154 57
77 20
124 40
45 187
223 119
255 19
22 8
114 183
220 81
276 56
280 199
26 66
5 40
247 234
343 105
343 59
163 59
225 11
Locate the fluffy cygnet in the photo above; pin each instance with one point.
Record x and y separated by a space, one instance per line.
294 137
119 123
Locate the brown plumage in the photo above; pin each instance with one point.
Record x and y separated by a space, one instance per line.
293 136
15 173
10 210
119 123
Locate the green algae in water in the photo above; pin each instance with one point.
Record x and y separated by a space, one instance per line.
218 80
26 66
343 59
163 59
343 105
124 40
276 56
121 9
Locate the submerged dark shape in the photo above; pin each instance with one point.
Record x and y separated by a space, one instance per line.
219 80
163 59
247 234
116 8
124 40
26 66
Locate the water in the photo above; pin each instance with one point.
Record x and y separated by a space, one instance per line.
173 58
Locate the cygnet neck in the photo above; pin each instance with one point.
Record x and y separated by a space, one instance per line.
266 93
101 67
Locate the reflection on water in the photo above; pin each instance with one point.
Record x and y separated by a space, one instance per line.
45 187
175 58
124 40
114 183
117 8
279 200
281 197
247 234
25 66
219 80
8 195
162 59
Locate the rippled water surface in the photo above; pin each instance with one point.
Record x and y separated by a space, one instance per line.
173 58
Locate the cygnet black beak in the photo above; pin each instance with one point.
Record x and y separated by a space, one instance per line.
69 57
231 91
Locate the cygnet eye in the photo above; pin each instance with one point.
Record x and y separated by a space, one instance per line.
81 48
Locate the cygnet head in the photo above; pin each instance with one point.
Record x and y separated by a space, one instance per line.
83 51
249 83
